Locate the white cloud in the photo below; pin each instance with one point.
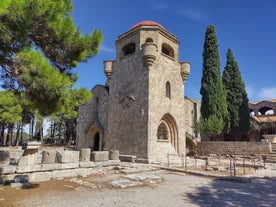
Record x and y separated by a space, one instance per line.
268 93
106 49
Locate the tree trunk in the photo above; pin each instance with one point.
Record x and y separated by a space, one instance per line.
9 135
21 134
17 134
2 134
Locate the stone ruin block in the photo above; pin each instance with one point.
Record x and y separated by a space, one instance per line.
128 158
68 156
49 156
27 160
99 156
15 155
85 154
4 158
114 155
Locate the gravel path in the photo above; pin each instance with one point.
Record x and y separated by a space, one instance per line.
155 188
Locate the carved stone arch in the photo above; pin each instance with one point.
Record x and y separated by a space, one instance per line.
94 138
168 130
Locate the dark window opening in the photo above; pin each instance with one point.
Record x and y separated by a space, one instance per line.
149 40
162 132
167 50
129 49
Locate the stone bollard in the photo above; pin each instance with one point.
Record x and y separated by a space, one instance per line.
114 154
85 154
49 157
4 158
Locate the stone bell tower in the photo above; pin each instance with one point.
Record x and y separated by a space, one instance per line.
145 107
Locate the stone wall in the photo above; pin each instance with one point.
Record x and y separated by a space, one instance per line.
235 148
53 164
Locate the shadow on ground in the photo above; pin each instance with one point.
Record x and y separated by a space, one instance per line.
259 192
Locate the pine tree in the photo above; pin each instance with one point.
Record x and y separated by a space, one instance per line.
10 112
39 46
236 97
214 113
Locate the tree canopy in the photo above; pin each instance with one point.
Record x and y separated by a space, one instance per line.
213 103
39 46
236 97
10 108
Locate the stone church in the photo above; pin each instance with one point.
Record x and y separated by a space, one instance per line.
142 110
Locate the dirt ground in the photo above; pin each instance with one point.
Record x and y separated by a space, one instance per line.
169 189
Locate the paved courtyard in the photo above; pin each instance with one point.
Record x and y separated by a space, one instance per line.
128 186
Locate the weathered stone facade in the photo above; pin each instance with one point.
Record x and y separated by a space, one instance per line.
142 111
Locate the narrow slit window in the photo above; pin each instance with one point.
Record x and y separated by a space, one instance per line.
168 89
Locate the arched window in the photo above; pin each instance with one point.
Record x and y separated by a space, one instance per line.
149 40
167 50
129 49
163 132
168 89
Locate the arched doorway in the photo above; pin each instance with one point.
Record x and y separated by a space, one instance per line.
96 145
94 138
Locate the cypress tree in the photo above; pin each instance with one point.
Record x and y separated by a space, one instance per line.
236 97
213 103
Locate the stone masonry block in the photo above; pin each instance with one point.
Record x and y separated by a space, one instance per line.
50 167
59 174
7 170
98 156
85 154
27 160
15 155
49 156
128 158
69 165
114 155
30 168
40 176
87 164
68 157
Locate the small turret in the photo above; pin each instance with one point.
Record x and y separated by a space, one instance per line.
108 70
149 53
185 70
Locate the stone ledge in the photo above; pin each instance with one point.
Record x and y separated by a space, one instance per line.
7 170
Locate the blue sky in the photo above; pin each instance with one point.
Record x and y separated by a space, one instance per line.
248 27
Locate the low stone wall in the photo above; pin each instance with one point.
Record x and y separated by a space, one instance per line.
41 165
234 148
